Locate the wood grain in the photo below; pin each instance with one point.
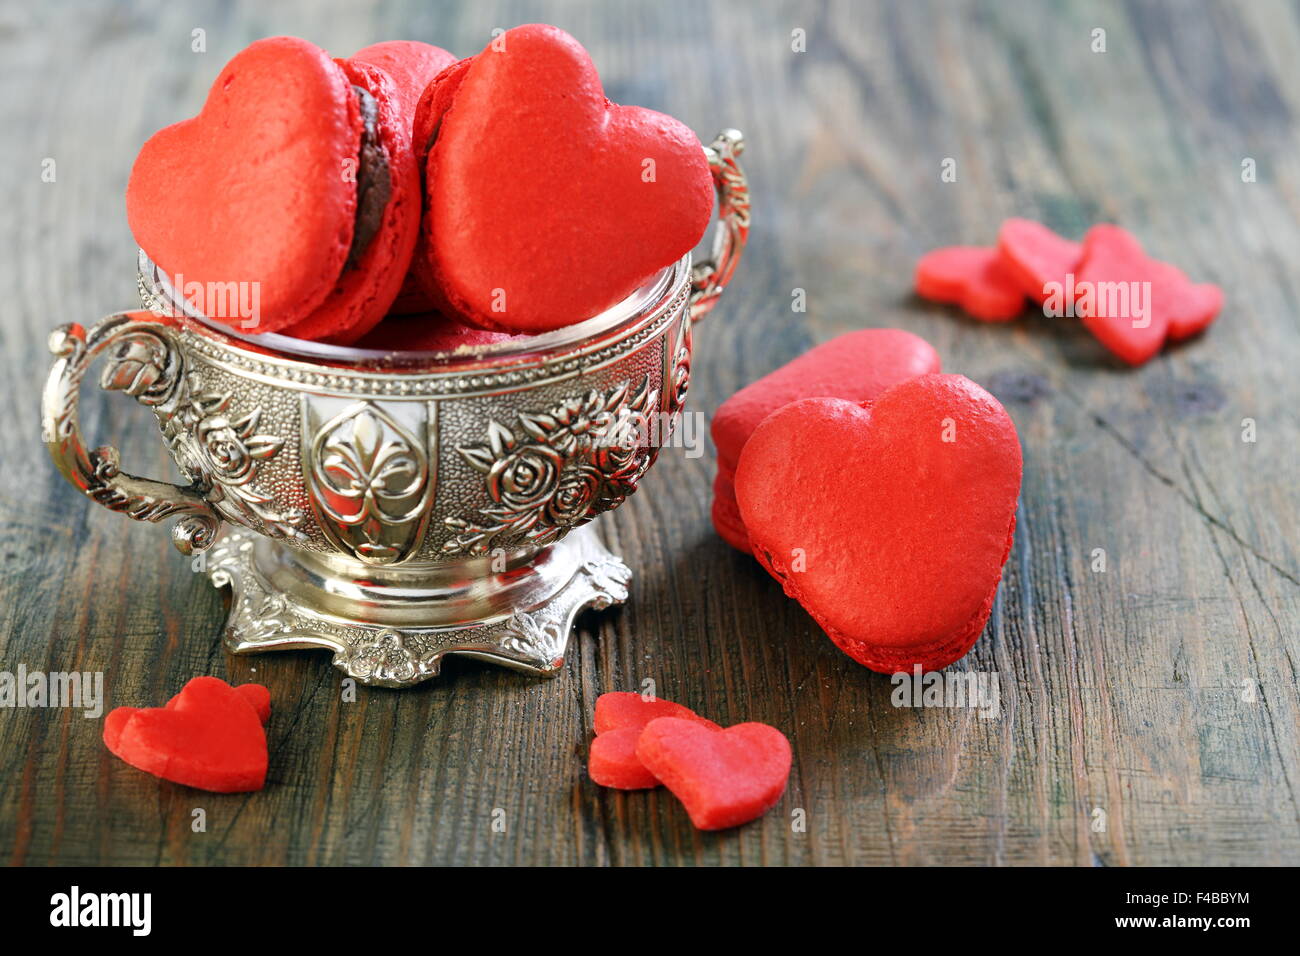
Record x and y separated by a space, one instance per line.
1122 691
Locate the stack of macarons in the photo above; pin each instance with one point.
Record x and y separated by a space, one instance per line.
878 492
503 191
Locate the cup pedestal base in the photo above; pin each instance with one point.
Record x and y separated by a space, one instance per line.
391 627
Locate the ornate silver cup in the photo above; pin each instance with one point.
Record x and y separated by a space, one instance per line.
395 507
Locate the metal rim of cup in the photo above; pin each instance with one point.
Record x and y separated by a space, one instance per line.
621 320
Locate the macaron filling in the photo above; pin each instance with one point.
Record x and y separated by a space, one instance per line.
448 84
374 181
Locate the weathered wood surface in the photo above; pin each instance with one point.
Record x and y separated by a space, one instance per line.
1124 691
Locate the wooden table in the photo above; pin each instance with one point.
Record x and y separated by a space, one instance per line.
1149 712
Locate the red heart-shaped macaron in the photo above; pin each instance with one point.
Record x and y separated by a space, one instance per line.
972 277
725 513
888 521
619 719
365 290
208 736
412 65
1133 303
856 366
545 202
722 777
294 189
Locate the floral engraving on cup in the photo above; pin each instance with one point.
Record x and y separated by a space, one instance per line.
555 470
370 482
222 451
216 448
142 365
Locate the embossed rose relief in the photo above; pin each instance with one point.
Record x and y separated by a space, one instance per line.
217 449
223 451
143 365
552 471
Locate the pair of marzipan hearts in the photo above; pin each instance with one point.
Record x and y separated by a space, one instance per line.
210 736
722 777
879 492
1131 302
526 201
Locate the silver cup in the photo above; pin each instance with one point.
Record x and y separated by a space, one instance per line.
395 507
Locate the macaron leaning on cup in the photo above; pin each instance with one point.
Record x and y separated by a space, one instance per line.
294 187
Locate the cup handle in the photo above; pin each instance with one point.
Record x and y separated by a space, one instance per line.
143 362
710 276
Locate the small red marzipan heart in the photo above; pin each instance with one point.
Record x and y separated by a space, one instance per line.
612 761
258 696
618 710
547 203
1035 257
722 777
209 736
888 521
1133 303
971 277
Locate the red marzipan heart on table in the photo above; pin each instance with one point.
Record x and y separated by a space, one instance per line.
722 777
1113 271
259 697
209 736
888 521
619 719
612 761
971 277
1035 257
547 203
618 710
